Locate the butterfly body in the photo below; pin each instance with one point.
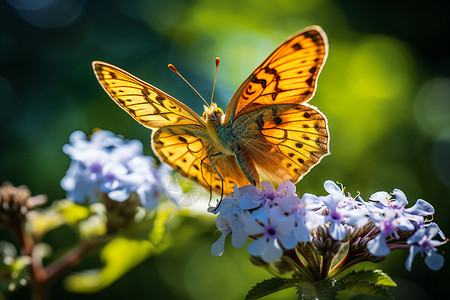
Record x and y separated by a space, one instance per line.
268 129
217 131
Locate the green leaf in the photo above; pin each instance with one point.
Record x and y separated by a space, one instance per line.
323 290
159 232
270 286
122 254
72 212
370 282
119 255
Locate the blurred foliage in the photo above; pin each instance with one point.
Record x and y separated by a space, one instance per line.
122 253
384 89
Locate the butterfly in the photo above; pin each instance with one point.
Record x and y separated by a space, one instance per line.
268 129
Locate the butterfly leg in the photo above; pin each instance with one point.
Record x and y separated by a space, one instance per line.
218 174
247 166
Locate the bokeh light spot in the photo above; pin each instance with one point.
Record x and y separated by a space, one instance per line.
432 106
48 13
440 157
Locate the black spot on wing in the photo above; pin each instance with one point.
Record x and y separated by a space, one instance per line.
262 82
270 70
314 36
297 46
306 93
277 120
145 92
313 70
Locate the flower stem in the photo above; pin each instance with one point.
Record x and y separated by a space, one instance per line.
325 267
37 271
73 258
42 277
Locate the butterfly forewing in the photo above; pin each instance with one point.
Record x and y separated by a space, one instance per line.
145 103
287 76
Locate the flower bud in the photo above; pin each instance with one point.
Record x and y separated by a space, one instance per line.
16 202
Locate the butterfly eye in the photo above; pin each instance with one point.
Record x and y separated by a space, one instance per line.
218 113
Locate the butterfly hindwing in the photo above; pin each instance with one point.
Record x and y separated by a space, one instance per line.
287 76
145 103
188 150
287 141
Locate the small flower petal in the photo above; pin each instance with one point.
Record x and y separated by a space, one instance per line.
218 247
434 261
337 231
332 187
413 250
421 208
377 246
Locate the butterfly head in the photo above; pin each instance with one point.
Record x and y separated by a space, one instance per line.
212 113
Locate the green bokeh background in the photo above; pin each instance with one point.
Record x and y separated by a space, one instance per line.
385 90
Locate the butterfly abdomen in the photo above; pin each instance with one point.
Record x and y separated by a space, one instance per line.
246 163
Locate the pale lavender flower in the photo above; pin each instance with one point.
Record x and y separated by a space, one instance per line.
422 241
232 219
108 164
390 215
388 225
343 211
276 228
398 203
261 200
307 212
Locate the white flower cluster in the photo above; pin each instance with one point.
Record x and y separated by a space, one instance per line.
108 164
278 220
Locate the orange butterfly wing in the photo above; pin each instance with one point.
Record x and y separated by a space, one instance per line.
286 141
283 137
145 103
287 76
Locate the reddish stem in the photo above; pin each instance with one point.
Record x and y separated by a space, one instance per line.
42 277
37 271
71 259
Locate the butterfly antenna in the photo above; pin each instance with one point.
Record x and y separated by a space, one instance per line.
215 78
172 67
